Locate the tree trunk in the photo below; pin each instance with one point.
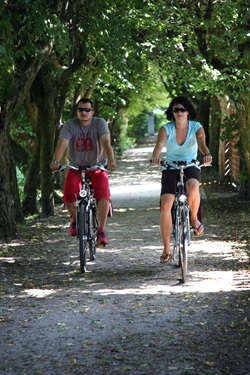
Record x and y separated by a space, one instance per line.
46 125
44 93
31 184
215 130
10 208
244 121
32 176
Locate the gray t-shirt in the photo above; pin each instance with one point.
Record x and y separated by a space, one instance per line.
84 141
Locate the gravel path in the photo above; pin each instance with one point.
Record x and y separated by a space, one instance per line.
128 314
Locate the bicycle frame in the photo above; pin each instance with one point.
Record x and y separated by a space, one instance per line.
86 214
86 220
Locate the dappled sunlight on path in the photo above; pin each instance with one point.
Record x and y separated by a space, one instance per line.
128 314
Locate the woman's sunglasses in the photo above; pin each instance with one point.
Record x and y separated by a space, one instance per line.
176 110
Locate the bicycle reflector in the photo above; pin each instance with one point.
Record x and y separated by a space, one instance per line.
182 198
83 193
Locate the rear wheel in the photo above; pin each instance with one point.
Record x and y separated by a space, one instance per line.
82 234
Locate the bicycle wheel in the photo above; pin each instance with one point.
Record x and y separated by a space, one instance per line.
184 244
176 233
188 225
82 236
92 238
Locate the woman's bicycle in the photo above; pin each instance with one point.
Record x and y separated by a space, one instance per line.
181 217
86 214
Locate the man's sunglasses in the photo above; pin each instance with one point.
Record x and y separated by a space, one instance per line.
84 109
176 110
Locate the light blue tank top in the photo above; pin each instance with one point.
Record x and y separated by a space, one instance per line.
188 150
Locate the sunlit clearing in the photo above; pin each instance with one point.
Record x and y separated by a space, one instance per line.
8 260
39 293
199 282
56 226
121 189
15 244
152 247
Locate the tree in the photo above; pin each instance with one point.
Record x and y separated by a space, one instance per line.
22 49
9 197
201 49
112 53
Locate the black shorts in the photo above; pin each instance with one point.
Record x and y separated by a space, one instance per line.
170 178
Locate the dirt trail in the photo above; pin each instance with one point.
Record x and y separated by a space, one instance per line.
128 314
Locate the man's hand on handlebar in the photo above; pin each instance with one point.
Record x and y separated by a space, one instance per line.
111 166
54 165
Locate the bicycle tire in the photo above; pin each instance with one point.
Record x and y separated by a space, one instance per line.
82 236
179 241
93 226
176 232
188 225
184 244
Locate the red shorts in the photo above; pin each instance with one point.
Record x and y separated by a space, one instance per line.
72 185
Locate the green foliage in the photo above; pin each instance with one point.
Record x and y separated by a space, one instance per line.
137 126
160 119
20 182
230 128
21 125
129 57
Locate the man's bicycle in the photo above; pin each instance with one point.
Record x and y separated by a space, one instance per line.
181 217
86 214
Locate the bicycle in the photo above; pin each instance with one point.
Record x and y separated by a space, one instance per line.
181 217
86 214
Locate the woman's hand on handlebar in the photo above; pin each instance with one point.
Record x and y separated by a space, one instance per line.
207 160
155 160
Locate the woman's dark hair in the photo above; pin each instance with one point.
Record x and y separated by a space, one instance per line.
186 104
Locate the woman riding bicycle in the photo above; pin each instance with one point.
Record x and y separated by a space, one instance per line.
182 138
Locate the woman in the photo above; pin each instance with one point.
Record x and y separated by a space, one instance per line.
182 138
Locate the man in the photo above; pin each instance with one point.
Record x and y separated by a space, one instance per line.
87 139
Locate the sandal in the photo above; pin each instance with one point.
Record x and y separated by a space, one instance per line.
198 231
166 258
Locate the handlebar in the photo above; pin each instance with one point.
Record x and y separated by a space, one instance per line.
177 164
181 163
87 168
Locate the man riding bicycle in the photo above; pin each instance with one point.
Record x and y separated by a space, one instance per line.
87 139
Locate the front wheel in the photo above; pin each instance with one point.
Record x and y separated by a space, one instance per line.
184 244
82 236
176 232
93 227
